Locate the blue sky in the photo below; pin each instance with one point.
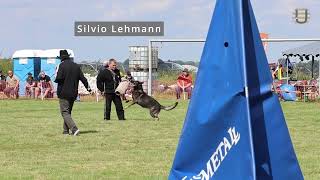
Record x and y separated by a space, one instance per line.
43 24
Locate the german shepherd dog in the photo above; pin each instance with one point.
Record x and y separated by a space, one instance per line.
146 101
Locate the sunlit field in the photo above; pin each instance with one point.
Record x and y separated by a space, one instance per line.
32 145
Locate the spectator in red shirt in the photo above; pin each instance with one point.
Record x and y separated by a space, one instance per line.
184 83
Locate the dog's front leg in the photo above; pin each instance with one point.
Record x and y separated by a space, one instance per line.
130 105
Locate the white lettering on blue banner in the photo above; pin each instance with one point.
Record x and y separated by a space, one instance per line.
218 156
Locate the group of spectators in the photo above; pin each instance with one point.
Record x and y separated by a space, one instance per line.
35 87
41 86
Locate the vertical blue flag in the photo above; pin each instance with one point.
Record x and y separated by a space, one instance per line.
234 127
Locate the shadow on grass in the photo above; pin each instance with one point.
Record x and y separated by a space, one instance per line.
145 120
88 132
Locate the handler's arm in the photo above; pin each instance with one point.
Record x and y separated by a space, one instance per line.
84 80
100 81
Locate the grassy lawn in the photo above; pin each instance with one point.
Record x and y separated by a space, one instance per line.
32 145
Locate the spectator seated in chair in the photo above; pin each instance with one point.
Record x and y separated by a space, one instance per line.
45 87
12 86
184 84
31 85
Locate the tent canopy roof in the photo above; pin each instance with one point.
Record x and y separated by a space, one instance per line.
312 48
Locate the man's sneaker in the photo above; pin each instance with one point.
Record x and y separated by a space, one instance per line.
76 133
65 133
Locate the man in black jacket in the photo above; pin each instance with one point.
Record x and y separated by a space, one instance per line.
68 76
108 80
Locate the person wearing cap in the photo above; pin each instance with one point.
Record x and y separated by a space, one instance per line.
12 85
107 82
45 86
184 84
68 76
31 85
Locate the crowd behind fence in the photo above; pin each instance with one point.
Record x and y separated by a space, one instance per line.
305 90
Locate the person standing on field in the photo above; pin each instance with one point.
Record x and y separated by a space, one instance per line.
68 76
107 81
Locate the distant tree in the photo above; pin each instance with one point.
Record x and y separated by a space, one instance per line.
192 63
126 64
177 61
302 70
6 65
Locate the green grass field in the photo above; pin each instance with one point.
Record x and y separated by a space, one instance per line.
32 145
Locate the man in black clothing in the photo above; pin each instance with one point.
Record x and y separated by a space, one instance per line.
107 81
68 76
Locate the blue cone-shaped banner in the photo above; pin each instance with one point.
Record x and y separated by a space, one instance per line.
234 128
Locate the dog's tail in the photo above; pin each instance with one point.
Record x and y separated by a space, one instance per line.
168 108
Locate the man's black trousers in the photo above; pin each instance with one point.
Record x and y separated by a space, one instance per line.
109 97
